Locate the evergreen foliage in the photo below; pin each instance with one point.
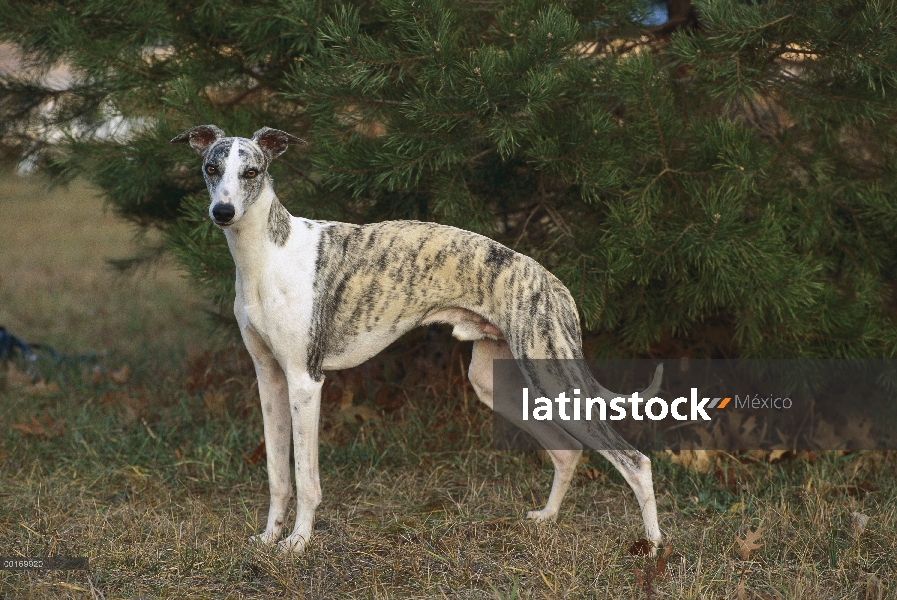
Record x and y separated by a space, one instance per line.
719 185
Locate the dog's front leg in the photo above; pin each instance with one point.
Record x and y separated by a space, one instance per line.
273 392
305 409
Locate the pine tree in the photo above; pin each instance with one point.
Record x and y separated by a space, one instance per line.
721 184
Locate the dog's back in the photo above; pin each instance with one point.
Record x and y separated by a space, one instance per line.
387 278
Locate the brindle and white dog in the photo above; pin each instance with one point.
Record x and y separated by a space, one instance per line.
315 296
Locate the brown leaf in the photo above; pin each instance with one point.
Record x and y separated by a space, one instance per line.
776 454
354 414
49 427
34 427
749 543
132 409
123 375
859 431
727 480
641 547
662 560
695 460
108 398
656 572
257 454
740 592
825 437
856 490
215 401
388 398
593 474
873 588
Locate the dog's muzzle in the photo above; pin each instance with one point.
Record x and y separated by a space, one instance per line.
223 213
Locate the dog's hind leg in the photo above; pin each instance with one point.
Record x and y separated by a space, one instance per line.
549 435
276 420
636 470
634 466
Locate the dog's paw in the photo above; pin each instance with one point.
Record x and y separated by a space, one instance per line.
263 539
292 544
541 516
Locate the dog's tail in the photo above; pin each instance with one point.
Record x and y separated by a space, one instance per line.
648 392
599 435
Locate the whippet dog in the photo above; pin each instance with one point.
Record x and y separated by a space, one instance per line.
314 296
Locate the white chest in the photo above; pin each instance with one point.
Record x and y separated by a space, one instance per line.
274 289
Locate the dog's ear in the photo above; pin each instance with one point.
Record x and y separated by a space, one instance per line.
200 137
274 142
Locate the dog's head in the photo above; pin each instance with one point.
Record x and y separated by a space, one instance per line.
235 169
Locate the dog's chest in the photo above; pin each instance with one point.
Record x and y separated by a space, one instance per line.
276 297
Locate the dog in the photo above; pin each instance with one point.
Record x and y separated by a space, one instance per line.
314 296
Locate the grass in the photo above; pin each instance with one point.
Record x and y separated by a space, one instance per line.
156 477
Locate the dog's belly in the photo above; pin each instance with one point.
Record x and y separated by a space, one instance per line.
467 326
354 351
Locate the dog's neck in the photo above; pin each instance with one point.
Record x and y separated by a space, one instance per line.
248 239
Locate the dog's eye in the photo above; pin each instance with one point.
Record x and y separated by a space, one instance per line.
211 169
250 173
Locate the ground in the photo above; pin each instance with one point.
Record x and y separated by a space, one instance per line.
147 459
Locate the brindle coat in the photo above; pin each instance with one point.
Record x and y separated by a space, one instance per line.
315 296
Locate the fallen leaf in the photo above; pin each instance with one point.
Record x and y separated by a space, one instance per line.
123 375
775 455
825 437
108 398
132 409
388 398
643 579
646 577
641 547
662 560
42 387
34 427
215 401
858 431
49 427
257 454
859 523
353 414
740 592
749 543
727 480
593 474
695 460
856 490
873 588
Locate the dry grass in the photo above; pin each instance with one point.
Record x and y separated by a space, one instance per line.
56 287
153 477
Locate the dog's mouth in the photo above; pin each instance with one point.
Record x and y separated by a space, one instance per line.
222 224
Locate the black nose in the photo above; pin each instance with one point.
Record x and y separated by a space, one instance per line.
223 212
